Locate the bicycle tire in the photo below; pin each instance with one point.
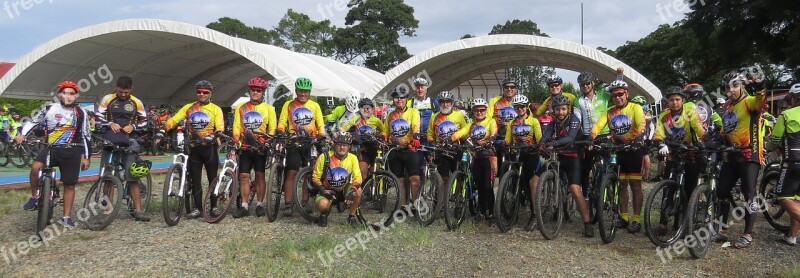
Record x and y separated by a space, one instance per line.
548 207
3 154
45 212
18 156
697 219
607 208
145 191
591 192
107 190
774 211
301 188
430 192
274 190
172 203
661 201
455 200
388 200
228 184
506 205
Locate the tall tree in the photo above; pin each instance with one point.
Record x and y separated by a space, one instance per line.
372 34
531 78
236 28
297 32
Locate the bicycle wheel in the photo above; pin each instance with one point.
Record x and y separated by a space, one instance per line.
430 198
227 186
3 153
103 202
274 190
608 207
304 195
18 156
548 206
506 205
172 202
663 213
699 220
455 200
384 203
45 212
591 194
774 212
145 191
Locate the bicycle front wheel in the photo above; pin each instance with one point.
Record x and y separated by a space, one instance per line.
102 202
274 190
700 213
227 185
548 209
455 200
384 200
607 207
663 213
506 205
304 195
45 212
774 212
429 203
3 153
172 201
145 191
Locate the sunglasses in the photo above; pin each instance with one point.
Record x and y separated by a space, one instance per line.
203 92
509 87
518 107
554 85
400 97
619 95
479 110
587 84
256 90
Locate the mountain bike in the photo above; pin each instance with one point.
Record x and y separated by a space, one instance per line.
381 190
430 188
276 163
107 192
512 192
607 204
224 189
665 206
177 195
553 199
776 215
49 194
461 194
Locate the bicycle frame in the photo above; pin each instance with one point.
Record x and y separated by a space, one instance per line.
179 159
229 164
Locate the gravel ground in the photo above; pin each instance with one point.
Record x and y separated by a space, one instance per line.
291 247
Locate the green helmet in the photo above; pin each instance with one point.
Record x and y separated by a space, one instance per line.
140 169
639 100
303 83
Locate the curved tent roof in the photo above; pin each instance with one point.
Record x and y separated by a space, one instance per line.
166 59
450 64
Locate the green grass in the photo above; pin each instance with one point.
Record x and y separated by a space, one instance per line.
288 257
13 200
794 272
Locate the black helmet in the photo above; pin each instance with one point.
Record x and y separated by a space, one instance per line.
671 90
509 81
399 91
559 100
366 101
585 77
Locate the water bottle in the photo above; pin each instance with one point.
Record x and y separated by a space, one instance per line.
613 158
464 156
180 136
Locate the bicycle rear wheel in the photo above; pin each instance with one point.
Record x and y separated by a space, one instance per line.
548 206
506 205
384 203
171 196
699 220
608 208
455 200
274 190
103 202
18 156
304 195
228 186
45 212
774 212
664 213
430 198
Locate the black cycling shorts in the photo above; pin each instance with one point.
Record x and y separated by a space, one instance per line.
249 159
68 161
530 165
630 165
296 157
445 165
404 163
789 182
569 166
368 153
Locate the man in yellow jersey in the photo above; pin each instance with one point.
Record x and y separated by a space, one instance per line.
785 138
499 107
482 132
248 118
302 117
203 119
403 128
626 123
337 177
442 129
368 128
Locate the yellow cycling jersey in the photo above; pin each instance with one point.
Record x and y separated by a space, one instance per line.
742 123
545 107
523 131
371 126
496 104
201 119
248 118
686 127
479 131
444 126
626 123
341 172
301 118
400 126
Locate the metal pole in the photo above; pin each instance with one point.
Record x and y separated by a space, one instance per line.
581 22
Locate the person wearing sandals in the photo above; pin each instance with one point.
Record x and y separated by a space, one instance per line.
786 137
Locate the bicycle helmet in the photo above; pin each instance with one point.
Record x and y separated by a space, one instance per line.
732 77
257 82
554 79
399 91
479 102
420 81
68 84
559 100
509 81
639 100
365 101
139 169
675 90
446 95
720 100
204 85
342 137
617 84
519 99
795 89
303 83
351 102
694 90
585 77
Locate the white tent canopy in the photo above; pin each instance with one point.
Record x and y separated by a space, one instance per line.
451 64
166 59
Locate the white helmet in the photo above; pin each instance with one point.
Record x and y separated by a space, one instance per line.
479 102
420 81
519 99
351 102
446 95
795 89
616 85
720 100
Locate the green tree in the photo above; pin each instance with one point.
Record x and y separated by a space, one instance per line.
297 32
531 78
23 107
372 34
236 28
467 36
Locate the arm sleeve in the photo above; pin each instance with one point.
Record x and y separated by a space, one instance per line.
537 130
385 130
490 108
177 118
316 176
141 120
574 127
272 121
237 123
756 103
377 123
335 114
461 131
660 130
349 123
355 170
542 108
102 109
430 133
697 126
576 107
601 122
638 123
415 122
320 121
774 141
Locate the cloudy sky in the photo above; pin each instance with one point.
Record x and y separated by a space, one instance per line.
26 24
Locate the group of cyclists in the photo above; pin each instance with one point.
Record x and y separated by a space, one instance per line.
499 126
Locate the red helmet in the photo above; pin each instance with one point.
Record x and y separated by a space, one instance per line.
68 84
257 82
